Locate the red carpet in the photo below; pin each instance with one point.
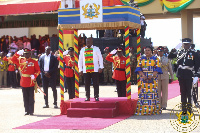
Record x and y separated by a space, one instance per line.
173 89
67 123
63 122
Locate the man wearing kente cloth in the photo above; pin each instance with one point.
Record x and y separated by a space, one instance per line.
90 65
30 70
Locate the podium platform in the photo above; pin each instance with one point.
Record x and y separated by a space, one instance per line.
104 108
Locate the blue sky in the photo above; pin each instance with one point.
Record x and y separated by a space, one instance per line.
165 32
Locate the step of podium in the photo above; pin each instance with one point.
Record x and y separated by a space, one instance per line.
92 112
99 104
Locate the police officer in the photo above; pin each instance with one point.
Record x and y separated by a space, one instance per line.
119 74
30 70
107 71
187 60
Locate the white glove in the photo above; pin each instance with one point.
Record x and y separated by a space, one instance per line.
20 52
8 55
65 52
195 79
113 52
32 77
16 71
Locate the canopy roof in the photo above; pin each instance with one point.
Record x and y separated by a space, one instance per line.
114 17
13 7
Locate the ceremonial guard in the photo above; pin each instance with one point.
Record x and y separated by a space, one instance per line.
30 70
119 74
69 71
187 60
163 79
107 71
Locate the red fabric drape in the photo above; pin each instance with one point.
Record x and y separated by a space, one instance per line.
105 3
28 8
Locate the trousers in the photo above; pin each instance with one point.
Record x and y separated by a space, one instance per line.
163 92
121 88
52 81
95 78
28 97
186 92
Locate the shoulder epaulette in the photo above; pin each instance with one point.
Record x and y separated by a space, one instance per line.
34 59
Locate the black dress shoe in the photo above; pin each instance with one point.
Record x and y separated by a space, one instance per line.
26 113
97 99
31 114
55 106
46 106
87 99
163 108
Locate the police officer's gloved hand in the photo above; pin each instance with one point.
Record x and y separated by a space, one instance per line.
195 80
113 52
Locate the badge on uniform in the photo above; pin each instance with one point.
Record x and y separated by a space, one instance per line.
190 56
123 62
31 64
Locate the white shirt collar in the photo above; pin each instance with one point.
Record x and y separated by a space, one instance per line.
48 55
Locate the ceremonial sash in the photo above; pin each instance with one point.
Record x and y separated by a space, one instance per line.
89 60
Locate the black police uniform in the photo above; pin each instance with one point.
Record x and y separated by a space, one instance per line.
187 60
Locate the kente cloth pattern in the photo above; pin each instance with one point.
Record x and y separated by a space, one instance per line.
89 60
148 100
3 65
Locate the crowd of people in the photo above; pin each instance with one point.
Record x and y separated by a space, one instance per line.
156 68
9 44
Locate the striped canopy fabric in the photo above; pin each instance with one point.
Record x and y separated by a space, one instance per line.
113 17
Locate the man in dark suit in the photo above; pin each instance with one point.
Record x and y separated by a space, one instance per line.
48 66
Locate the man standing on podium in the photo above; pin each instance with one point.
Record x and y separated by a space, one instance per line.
187 60
90 65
